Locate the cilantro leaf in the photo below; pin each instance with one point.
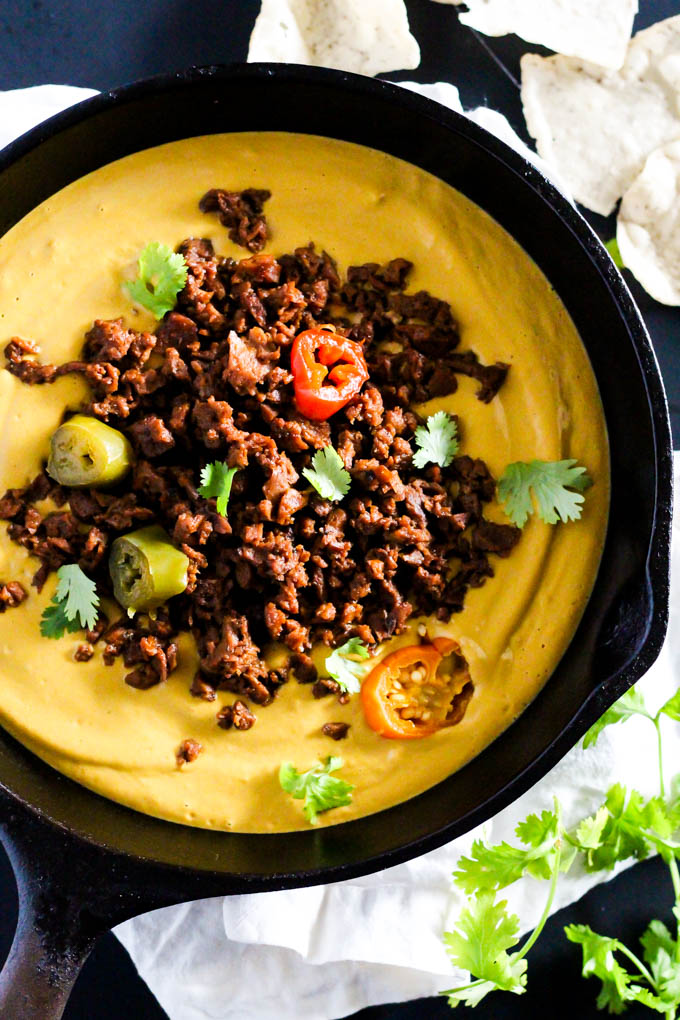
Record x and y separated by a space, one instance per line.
612 247
216 479
599 961
328 474
660 952
74 604
479 943
553 483
54 622
494 867
343 667
672 707
162 275
623 833
632 703
437 441
321 791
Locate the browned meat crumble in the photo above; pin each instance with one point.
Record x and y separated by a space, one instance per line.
213 382
188 751
335 730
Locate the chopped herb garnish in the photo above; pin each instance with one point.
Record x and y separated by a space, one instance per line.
344 665
556 484
216 479
615 252
321 791
328 474
437 441
626 826
74 604
162 275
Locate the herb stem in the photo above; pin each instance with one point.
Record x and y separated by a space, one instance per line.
657 725
644 973
546 910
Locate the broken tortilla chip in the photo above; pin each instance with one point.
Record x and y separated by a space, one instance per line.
597 127
648 229
352 35
594 30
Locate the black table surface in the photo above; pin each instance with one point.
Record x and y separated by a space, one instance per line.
78 42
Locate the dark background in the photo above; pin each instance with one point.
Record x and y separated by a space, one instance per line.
77 42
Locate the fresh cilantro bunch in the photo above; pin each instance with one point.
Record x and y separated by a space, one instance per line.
162 275
328 474
437 441
320 790
557 486
344 665
216 479
74 604
625 826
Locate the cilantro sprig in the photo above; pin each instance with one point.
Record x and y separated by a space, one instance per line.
437 441
320 790
557 487
74 604
216 480
625 826
328 474
162 275
344 665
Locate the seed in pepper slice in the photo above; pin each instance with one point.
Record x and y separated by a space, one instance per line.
417 690
146 569
85 451
328 370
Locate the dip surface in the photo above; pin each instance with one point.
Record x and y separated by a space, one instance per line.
62 266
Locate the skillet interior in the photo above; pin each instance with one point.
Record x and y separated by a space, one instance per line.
625 621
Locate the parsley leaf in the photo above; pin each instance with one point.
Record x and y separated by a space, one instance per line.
612 247
343 667
74 604
321 791
553 483
162 275
328 474
216 479
622 832
437 441
479 943
632 703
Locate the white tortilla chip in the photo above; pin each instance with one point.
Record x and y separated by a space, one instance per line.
598 127
648 229
595 30
352 35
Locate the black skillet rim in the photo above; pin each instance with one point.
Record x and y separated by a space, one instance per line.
658 552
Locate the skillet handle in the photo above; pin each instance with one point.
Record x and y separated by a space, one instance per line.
40 972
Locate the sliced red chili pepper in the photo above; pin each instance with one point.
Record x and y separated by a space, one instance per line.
416 690
320 392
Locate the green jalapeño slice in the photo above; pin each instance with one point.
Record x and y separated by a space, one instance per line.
85 451
146 569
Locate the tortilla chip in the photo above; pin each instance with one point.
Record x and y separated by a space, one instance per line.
352 35
598 127
648 230
594 30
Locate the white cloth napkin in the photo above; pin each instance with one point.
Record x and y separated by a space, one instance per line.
324 952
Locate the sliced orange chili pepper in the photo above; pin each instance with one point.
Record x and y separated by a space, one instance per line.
416 690
319 393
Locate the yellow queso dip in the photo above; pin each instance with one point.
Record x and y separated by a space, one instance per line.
63 265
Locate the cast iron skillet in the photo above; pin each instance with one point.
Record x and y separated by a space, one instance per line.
84 863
